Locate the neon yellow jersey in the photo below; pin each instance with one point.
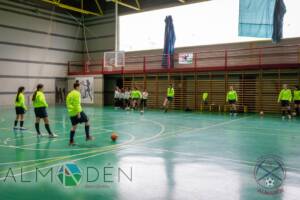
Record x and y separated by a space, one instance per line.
136 94
21 101
170 92
40 100
285 95
232 96
74 103
296 95
204 96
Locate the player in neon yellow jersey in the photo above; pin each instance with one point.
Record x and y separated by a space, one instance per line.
136 95
20 105
205 98
296 99
169 98
232 99
77 116
40 109
285 98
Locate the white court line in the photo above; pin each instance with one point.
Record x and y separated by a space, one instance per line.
34 149
123 144
112 150
120 149
61 139
209 158
53 140
145 140
132 138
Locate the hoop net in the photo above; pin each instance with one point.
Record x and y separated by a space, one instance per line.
114 60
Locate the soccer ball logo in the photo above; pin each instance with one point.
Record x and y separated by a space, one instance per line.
270 182
69 175
269 173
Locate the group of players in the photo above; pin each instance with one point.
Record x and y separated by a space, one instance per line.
126 98
286 98
73 103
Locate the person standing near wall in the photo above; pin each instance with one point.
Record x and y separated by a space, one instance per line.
145 95
285 98
232 99
296 98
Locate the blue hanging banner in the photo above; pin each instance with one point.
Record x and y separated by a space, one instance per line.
169 44
256 18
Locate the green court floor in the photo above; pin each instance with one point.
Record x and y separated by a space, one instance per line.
158 156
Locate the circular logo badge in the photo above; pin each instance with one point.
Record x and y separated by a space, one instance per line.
69 175
269 172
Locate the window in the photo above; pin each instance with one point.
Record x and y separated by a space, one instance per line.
211 22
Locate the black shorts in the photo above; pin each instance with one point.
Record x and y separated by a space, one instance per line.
297 102
144 102
40 112
285 103
231 102
170 99
83 118
20 111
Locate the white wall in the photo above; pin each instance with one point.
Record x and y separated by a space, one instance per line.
35 46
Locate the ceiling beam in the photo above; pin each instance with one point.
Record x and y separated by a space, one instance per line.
120 2
75 9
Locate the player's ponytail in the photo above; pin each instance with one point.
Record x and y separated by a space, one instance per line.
38 88
20 90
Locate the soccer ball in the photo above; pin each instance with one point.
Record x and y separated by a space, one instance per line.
269 182
261 113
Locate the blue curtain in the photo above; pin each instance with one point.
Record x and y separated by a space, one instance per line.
169 43
261 18
279 13
256 18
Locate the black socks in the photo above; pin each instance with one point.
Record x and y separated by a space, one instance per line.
72 134
87 131
21 123
16 123
37 128
48 129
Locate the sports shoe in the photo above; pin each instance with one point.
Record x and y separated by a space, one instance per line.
90 138
53 135
72 143
16 128
23 129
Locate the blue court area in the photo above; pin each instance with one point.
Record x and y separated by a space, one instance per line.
174 155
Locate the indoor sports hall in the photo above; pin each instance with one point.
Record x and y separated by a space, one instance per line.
149 99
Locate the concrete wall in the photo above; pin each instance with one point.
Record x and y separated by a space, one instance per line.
35 46
100 35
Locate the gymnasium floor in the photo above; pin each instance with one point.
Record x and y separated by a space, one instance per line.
177 155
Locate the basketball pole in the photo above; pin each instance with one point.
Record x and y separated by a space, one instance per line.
116 26
116 31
